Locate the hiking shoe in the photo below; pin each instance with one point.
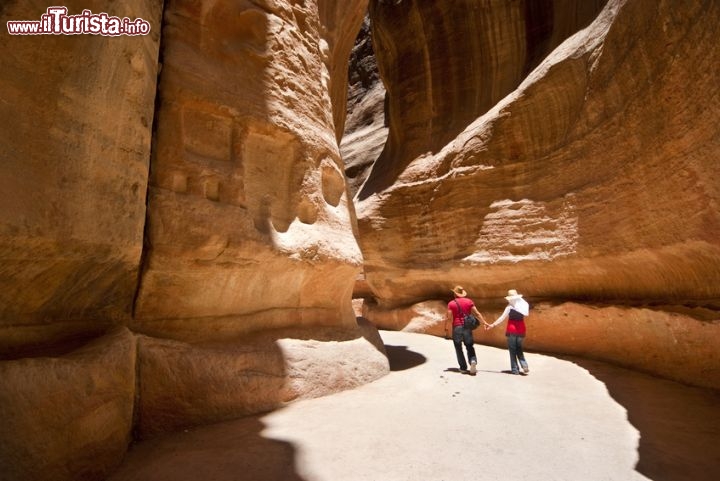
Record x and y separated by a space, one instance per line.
473 367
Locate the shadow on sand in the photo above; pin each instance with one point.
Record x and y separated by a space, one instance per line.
227 451
679 425
401 358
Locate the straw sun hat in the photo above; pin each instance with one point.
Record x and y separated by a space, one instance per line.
459 291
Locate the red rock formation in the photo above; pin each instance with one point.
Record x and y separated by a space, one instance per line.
365 129
572 167
446 63
249 227
593 180
68 416
246 182
75 123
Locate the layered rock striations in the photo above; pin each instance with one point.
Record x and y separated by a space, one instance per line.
76 114
365 129
246 181
446 63
211 278
592 180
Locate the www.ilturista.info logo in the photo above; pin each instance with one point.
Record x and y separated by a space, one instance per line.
56 21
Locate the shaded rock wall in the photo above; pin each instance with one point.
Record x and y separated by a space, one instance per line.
365 129
234 274
246 181
68 417
593 180
75 127
446 63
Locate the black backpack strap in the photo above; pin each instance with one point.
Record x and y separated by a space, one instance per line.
462 313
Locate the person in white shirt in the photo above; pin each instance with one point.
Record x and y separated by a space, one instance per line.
515 312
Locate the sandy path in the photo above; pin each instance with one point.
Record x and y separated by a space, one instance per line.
427 422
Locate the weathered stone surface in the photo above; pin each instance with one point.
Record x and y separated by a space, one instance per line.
68 417
446 63
75 122
672 342
594 179
186 384
248 212
365 128
249 226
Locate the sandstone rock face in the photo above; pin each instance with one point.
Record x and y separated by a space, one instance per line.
248 212
563 189
594 179
669 341
247 227
446 63
365 129
68 417
188 384
75 124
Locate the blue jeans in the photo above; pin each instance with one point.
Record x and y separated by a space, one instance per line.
463 336
515 343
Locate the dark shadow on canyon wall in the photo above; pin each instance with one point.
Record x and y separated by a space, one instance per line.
401 358
679 425
229 451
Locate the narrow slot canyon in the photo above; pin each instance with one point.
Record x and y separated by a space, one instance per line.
229 232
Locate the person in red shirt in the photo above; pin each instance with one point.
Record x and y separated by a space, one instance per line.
515 312
457 308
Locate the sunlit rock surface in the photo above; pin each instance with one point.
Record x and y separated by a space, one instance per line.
668 341
593 179
226 244
248 212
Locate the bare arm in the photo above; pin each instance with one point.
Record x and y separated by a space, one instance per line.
502 317
478 315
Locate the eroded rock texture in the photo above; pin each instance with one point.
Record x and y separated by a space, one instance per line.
446 63
241 300
594 179
365 130
76 113
68 416
248 211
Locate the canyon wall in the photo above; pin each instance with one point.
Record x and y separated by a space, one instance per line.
75 126
246 179
177 241
589 177
176 238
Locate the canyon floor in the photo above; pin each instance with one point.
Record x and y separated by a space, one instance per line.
569 419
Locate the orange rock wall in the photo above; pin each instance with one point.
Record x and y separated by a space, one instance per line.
246 180
150 286
594 179
586 181
669 341
75 125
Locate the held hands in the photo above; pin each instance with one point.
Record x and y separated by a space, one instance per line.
488 326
